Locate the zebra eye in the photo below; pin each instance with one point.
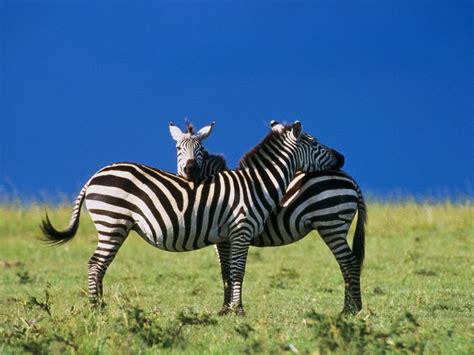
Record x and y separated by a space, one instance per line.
178 148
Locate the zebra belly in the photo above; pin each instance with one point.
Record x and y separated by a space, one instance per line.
186 240
277 232
178 237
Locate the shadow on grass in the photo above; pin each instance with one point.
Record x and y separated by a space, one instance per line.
356 335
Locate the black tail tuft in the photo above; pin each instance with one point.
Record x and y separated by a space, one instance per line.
54 237
358 244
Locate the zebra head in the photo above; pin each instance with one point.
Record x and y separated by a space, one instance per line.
189 149
312 155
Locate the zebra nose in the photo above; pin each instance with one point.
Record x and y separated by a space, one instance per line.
191 169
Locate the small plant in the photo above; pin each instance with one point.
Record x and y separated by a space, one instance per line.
45 306
24 277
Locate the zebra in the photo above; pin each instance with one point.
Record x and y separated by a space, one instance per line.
189 149
324 201
176 215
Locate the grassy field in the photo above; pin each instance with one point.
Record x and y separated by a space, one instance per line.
417 291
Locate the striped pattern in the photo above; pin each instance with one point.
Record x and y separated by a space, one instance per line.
174 214
323 201
212 164
326 202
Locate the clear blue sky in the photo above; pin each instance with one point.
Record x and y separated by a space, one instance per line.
388 83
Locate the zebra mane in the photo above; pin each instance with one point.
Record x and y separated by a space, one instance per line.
247 157
189 127
213 164
216 157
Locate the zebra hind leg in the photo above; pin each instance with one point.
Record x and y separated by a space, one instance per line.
238 258
223 253
352 297
349 266
107 248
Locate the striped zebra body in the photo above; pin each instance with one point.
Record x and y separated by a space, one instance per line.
197 215
177 215
324 201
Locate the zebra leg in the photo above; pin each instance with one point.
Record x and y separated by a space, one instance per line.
349 266
238 257
223 253
107 248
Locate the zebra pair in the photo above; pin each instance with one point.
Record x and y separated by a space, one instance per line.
323 201
174 214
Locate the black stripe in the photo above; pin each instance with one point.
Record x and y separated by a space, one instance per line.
187 218
225 180
205 191
111 214
111 234
112 225
213 207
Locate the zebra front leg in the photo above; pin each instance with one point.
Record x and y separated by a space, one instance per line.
238 257
350 270
103 256
223 253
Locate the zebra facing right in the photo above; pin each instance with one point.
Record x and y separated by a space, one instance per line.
324 201
176 215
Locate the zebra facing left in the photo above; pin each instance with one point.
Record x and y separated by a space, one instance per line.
176 215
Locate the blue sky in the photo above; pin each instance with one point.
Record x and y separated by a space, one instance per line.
388 83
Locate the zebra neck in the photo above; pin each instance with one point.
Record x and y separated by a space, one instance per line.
213 164
272 176
272 165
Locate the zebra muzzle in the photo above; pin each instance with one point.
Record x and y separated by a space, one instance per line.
191 169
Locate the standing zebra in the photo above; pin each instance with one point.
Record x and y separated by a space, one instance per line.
325 201
173 214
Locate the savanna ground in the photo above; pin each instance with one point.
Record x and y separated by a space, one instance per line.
417 291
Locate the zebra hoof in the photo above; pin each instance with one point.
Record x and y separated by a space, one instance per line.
225 310
239 310
97 304
350 310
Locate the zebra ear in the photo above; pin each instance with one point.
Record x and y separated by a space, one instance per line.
175 132
276 126
205 131
297 129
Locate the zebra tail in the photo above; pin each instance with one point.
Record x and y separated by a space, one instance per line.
55 237
358 243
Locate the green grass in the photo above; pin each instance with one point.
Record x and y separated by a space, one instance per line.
417 291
